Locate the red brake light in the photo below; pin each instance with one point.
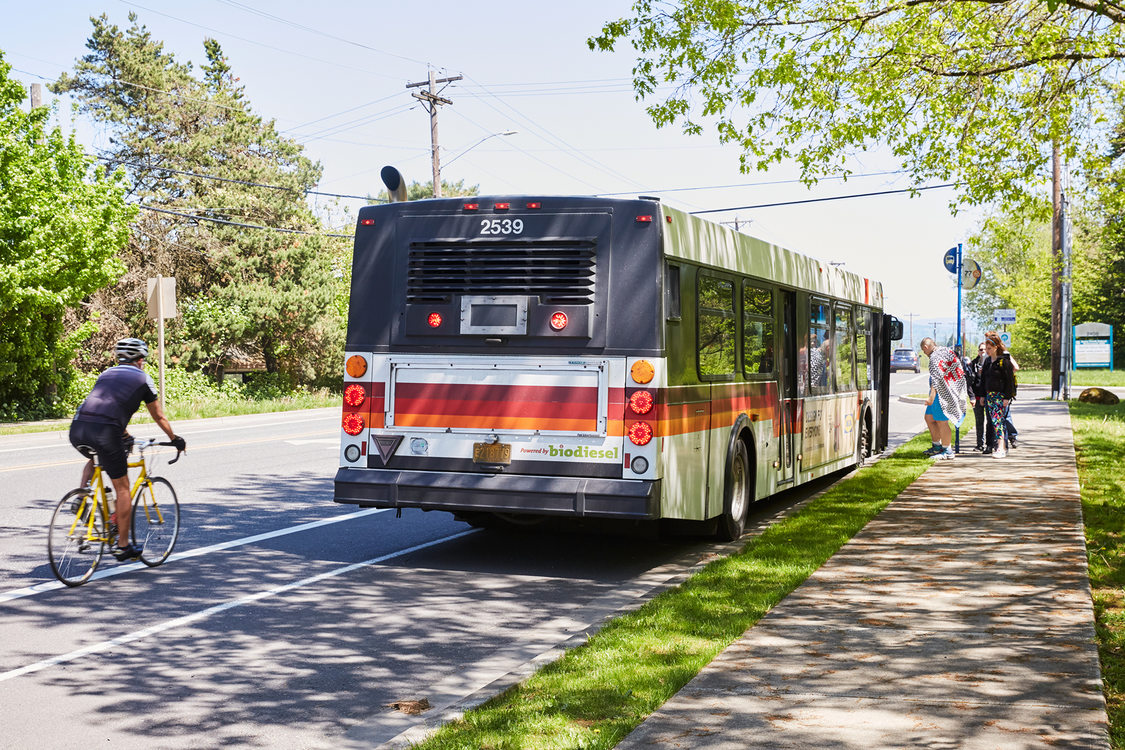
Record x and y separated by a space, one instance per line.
558 321
367 222
641 402
434 320
644 219
472 206
640 433
503 206
354 395
534 204
353 424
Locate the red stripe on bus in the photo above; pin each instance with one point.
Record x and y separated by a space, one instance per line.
464 408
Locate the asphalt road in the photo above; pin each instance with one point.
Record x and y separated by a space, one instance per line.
284 620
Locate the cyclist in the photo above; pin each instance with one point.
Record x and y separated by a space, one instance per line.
100 426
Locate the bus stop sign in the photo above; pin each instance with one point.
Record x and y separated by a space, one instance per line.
950 260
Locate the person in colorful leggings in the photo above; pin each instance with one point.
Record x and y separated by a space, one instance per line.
998 377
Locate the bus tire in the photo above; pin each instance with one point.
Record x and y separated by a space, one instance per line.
736 494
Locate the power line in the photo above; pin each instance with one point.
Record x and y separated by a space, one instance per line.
112 160
831 198
750 184
241 224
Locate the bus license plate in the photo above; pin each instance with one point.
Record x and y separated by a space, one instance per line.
492 453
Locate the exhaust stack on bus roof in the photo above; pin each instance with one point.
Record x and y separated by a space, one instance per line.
396 186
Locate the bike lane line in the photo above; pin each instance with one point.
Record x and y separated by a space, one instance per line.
138 635
39 588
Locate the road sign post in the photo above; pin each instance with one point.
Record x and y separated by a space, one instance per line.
161 305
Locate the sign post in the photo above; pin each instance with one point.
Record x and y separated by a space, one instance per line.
161 305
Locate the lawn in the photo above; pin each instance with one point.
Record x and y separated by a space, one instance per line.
1099 436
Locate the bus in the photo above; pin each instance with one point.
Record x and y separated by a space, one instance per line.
523 357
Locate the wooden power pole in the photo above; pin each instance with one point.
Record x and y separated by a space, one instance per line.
1056 269
431 101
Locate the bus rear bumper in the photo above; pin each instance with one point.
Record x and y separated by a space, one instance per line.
503 493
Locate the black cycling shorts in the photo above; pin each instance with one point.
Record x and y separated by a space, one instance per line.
105 439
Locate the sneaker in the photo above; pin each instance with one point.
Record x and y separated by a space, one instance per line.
1013 443
988 451
946 455
933 451
999 453
132 552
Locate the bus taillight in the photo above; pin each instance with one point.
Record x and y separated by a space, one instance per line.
641 402
642 371
355 395
558 321
434 320
640 433
353 424
356 366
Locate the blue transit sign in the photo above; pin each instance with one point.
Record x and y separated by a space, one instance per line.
950 260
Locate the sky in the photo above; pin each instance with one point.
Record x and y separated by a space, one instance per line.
333 76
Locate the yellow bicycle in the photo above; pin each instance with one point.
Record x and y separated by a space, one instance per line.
81 526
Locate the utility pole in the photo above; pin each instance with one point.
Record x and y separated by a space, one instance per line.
431 101
1056 268
36 95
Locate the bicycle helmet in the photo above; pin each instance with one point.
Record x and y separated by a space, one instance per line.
130 350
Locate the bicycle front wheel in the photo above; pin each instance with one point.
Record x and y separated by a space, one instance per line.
156 520
74 546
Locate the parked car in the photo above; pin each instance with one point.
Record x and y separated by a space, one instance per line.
904 359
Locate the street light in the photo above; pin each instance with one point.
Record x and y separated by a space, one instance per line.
470 148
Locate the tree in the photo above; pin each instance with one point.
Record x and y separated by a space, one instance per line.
1014 250
227 215
974 90
1107 304
61 224
416 191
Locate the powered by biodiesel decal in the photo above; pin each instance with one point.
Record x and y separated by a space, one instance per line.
573 452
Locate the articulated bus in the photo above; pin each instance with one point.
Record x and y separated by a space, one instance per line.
523 357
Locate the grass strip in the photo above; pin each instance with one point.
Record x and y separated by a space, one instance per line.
1083 377
1099 440
597 693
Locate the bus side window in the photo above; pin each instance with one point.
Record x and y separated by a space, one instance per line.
716 328
757 330
820 348
671 291
845 348
862 345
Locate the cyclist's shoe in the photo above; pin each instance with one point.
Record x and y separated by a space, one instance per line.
132 552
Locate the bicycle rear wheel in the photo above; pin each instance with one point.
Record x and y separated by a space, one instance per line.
156 520
73 551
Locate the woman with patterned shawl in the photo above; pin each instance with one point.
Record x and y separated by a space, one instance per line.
949 387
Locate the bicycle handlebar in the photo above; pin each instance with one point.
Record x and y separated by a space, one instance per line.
142 444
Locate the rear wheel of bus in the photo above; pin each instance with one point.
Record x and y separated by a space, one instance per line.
736 495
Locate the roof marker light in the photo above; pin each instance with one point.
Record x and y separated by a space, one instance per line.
472 206
534 204
367 222
669 219
434 320
644 219
503 206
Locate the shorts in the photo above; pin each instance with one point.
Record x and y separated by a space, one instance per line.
107 441
934 410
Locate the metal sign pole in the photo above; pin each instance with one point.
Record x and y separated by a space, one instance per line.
160 335
957 342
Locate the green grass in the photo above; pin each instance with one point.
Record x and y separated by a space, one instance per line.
1112 378
1099 438
597 693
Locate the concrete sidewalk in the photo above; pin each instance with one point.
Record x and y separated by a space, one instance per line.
960 617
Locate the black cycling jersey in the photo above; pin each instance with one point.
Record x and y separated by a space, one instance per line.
116 396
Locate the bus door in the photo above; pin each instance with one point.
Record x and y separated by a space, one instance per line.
787 387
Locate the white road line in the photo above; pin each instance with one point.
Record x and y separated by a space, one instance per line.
137 635
122 569
141 425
